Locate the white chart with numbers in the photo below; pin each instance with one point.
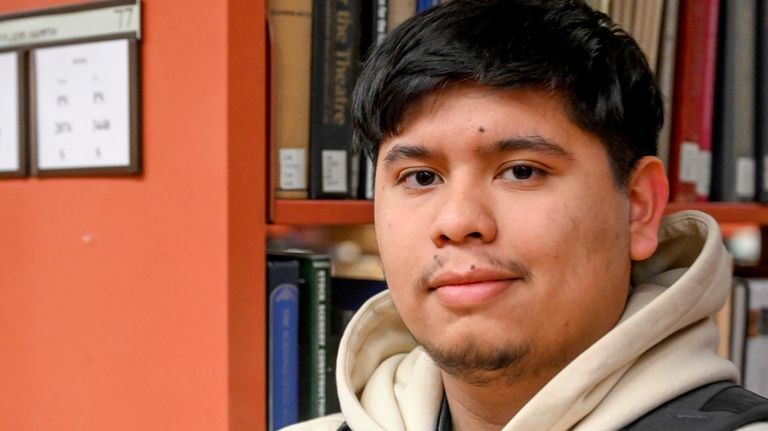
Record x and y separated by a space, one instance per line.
82 105
10 136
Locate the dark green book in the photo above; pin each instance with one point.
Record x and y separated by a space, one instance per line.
315 370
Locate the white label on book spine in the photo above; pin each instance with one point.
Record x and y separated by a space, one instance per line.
689 162
704 173
334 171
292 172
745 177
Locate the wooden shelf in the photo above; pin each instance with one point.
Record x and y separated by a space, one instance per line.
340 212
726 212
321 212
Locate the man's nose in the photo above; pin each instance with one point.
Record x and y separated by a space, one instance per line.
465 215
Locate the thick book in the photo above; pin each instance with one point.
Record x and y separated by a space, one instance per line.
375 25
761 112
314 327
623 12
399 11
290 26
422 5
755 376
694 99
348 295
283 343
665 73
739 311
647 28
733 144
336 37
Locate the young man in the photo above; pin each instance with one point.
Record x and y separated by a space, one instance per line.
532 282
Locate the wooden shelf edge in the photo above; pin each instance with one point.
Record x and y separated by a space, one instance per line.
726 212
308 212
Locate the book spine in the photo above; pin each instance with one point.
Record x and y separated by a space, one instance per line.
756 349
761 112
290 23
733 146
380 19
399 11
693 105
336 33
422 5
347 295
665 75
315 326
283 351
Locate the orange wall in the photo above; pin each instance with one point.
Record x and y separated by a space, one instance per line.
128 302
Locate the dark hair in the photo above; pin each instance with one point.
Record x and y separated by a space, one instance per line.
559 46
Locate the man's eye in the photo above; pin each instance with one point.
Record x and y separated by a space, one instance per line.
521 172
418 179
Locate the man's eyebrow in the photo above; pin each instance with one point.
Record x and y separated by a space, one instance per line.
407 151
534 143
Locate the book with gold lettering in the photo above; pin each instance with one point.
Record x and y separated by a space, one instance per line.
336 34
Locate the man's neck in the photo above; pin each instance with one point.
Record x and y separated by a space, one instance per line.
488 407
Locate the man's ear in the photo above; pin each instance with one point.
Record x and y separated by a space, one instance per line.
648 196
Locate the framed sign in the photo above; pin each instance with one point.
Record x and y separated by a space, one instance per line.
13 160
84 108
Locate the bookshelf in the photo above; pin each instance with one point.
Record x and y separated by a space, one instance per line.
321 212
158 281
347 212
726 212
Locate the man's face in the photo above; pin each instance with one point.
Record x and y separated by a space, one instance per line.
504 238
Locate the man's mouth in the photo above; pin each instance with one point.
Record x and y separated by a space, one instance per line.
471 289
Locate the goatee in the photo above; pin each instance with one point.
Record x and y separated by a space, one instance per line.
480 365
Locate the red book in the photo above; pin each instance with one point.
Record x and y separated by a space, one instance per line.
693 101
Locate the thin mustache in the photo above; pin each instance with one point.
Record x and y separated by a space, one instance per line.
505 265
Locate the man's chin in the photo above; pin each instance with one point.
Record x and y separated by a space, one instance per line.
480 365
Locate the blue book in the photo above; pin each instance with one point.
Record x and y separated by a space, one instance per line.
422 5
283 351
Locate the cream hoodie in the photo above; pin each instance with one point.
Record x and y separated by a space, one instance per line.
664 345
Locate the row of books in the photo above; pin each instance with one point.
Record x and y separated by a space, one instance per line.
749 332
708 55
309 309
316 48
710 62
307 312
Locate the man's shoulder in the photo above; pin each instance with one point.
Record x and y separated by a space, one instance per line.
325 423
715 406
757 426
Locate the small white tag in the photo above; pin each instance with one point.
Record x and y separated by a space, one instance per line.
745 177
689 162
334 171
292 173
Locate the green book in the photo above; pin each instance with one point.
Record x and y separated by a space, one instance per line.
315 369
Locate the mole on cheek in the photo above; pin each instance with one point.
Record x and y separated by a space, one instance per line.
481 129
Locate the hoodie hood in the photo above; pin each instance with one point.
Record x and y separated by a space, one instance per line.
664 345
